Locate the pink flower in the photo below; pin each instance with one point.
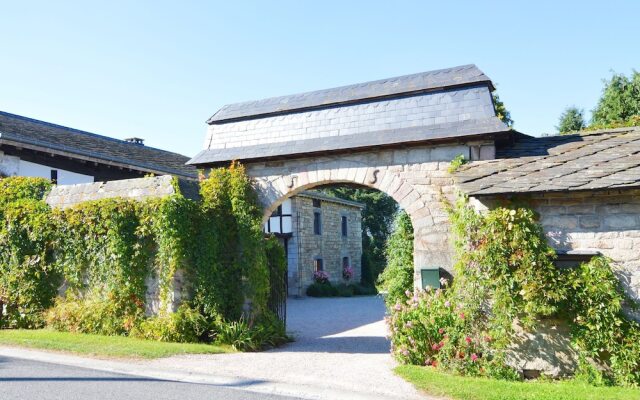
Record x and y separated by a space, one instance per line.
405 352
468 339
474 357
408 293
447 303
398 307
487 338
435 347
441 331
461 315
408 325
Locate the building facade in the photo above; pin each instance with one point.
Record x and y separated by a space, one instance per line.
319 233
67 156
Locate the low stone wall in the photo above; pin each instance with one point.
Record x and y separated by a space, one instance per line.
63 196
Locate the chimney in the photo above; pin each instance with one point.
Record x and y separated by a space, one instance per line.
135 140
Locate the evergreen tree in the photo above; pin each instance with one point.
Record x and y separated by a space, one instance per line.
619 104
397 278
571 120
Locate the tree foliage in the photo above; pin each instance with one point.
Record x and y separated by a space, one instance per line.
377 219
397 278
501 111
571 120
619 102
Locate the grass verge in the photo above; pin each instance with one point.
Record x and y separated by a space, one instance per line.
437 383
104 346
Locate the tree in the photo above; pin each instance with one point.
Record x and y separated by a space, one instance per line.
571 120
501 111
397 278
377 218
619 104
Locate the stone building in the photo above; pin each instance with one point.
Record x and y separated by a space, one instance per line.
319 233
585 187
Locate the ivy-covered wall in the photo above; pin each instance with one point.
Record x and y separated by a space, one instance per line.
119 266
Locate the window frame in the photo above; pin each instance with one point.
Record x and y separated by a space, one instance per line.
317 223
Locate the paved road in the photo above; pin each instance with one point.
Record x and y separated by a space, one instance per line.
23 379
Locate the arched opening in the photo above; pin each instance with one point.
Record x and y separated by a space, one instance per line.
335 232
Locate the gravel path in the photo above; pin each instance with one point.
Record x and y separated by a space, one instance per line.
340 352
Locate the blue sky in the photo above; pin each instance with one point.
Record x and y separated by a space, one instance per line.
159 69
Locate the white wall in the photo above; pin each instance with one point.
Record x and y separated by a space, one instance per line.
12 165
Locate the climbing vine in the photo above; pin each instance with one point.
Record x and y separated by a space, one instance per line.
107 252
504 277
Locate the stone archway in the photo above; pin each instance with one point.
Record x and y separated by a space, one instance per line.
396 135
416 178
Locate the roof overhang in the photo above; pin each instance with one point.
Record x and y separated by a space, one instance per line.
64 151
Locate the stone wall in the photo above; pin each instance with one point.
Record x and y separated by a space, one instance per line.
63 196
330 246
416 178
604 221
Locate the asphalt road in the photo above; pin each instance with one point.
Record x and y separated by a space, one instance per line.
24 379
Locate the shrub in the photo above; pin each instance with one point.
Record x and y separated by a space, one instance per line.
431 328
343 290
22 187
95 315
244 335
325 289
504 273
363 290
184 325
28 277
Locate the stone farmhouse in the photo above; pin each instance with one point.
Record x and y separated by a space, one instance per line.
319 233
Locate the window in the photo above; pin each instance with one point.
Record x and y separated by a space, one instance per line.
345 262
317 223
316 203
317 265
54 176
344 226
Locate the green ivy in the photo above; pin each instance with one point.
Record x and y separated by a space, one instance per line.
106 250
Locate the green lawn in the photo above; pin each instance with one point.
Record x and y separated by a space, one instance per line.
457 387
106 346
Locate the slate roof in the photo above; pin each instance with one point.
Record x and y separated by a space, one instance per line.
598 160
31 133
408 84
326 145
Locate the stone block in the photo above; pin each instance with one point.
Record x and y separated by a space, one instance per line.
621 221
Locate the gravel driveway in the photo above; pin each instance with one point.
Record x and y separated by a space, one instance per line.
340 352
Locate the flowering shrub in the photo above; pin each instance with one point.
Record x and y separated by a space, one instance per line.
347 273
504 272
430 328
320 277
